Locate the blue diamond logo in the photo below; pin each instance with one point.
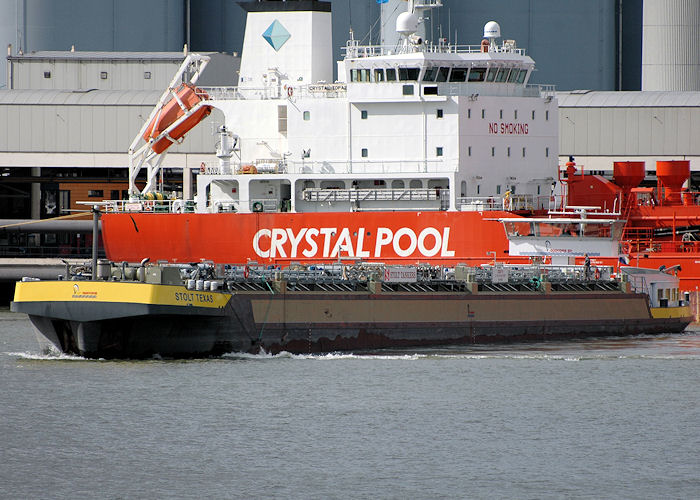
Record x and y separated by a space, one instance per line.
276 35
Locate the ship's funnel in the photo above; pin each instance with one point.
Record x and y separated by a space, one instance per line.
671 175
628 174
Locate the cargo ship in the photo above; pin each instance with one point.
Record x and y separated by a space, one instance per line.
410 156
108 310
199 310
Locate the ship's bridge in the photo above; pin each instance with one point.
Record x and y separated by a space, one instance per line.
489 69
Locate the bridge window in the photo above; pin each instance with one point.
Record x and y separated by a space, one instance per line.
442 75
458 75
521 77
491 75
502 75
379 75
513 77
353 75
439 113
438 151
429 75
363 114
477 74
406 74
391 75
365 153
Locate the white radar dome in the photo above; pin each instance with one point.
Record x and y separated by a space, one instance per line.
492 30
407 23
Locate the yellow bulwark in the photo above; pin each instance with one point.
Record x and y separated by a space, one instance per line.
671 312
117 292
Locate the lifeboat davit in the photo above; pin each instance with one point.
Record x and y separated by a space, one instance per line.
190 96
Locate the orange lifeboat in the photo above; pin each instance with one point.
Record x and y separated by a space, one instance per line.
171 112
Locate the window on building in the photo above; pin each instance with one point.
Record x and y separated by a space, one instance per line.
498 189
363 114
438 113
103 75
47 74
365 153
146 75
438 151
307 116
64 201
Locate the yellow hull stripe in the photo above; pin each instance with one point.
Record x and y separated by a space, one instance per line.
117 292
671 312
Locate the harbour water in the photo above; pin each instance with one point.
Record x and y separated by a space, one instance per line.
612 418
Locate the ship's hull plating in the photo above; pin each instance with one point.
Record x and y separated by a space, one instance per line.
174 322
444 238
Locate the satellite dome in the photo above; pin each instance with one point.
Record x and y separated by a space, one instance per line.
492 30
406 23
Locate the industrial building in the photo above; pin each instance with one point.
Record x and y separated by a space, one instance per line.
595 44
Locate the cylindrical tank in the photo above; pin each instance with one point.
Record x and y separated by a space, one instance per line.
628 174
671 175
670 48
